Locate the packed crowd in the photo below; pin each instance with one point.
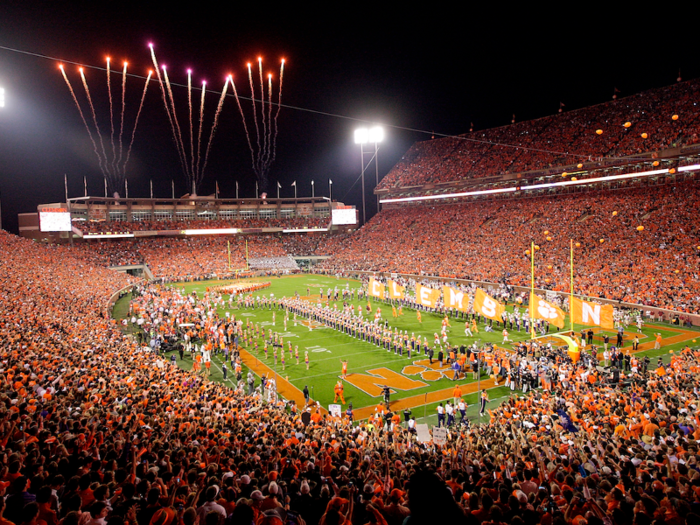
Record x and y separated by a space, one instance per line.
172 258
658 119
490 241
190 224
96 430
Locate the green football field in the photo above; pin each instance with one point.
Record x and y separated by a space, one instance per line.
369 367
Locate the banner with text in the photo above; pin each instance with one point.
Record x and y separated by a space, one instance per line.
427 296
454 298
487 306
375 288
592 314
396 291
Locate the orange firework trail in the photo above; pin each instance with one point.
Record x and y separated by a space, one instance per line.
94 118
82 116
201 120
111 117
167 110
255 116
262 110
219 107
193 164
263 156
189 105
177 123
268 140
279 106
121 121
245 126
138 114
113 171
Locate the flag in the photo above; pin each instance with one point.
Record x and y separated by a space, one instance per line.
592 314
427 296
541 309
294 184
565 421
396 291
375 288
487 306
330 181
453 298
278 184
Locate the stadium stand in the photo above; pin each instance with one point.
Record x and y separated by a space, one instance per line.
97 430
559 140
487 241
131 226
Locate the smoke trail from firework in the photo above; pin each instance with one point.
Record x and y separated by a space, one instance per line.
219 107
189 104
136 123
177 124
82 116
201 121
262 113
269 118
245 126
279 106
167 107
255 115
121 122
94 118
111 116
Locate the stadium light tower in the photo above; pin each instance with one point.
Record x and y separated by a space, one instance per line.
2 97
363 136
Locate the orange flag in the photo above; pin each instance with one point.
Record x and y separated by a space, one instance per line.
396 291
375 289
487 306
453 298
427 296
541 309
592 314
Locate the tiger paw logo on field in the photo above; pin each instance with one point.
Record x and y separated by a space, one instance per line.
427 371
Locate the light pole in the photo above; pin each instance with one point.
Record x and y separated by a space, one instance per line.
363 136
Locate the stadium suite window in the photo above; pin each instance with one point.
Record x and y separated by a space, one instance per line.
141 215
116 216
185 215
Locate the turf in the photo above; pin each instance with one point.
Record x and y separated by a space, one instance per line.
327 347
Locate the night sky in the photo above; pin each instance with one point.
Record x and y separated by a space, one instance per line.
416 70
